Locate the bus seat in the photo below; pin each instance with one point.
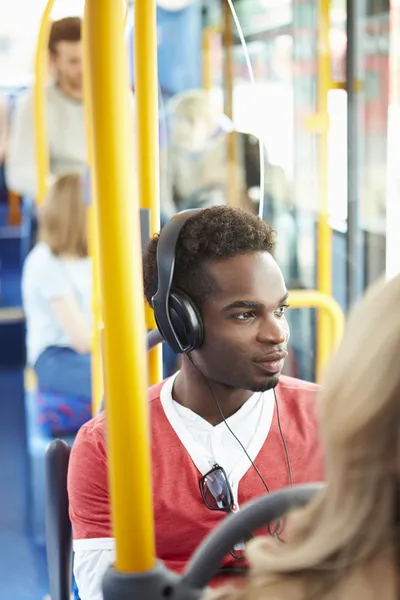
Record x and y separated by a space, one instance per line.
37 442
58 526
60 414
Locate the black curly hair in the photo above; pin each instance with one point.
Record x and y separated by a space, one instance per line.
210 235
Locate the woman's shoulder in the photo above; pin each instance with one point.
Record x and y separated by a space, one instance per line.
81 265
40 251
40 258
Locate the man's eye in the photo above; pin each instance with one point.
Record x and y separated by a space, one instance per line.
281 310
244 316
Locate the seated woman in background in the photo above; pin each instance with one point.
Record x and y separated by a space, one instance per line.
56 290
345 544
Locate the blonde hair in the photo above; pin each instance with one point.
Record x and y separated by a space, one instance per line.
345 543
62 218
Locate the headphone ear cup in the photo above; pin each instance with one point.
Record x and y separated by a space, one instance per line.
170 330
186 320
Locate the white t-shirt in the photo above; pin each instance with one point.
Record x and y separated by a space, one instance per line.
46 277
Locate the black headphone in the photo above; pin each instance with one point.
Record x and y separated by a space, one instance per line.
177 317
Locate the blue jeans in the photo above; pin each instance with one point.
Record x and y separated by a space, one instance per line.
64 371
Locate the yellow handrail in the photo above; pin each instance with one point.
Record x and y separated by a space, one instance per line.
43 169
335 317
39 106
148 177
207 57
324 243
128 439
96 351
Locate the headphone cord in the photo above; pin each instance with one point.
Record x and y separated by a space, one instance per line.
278 526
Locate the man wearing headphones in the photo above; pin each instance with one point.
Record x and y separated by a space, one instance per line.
228 427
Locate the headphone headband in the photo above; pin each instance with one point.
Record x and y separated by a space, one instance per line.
161 301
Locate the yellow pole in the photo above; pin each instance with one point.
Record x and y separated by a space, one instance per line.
328 306
39 106
96 353
148 171
324 245
128 438
207 58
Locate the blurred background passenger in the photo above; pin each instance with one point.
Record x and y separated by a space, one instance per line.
64 111
197 166
57 291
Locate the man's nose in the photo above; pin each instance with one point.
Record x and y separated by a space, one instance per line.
273 332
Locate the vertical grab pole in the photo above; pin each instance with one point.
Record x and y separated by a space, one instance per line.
148 170
324 244
39 106
207 58
128 438
96 354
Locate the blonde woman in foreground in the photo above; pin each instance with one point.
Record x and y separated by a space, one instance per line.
346 543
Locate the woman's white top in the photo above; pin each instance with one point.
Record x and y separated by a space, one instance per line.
47 277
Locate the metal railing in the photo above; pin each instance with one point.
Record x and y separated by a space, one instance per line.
332 334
